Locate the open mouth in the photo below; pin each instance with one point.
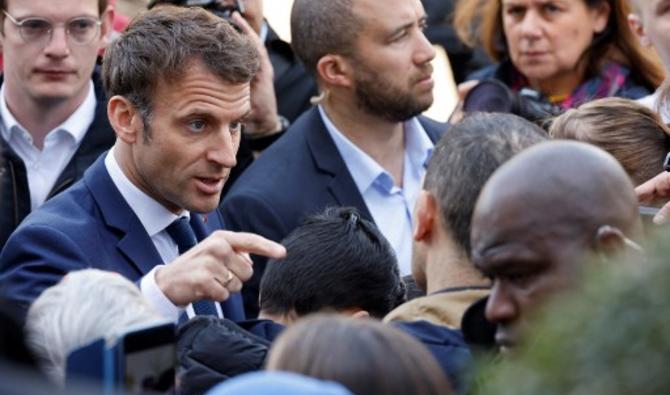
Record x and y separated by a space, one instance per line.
209 185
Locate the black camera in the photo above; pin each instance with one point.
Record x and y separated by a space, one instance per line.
217 7
494 96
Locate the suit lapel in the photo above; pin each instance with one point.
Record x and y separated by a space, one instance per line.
328 160
134 242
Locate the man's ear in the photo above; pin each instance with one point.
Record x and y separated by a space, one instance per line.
425 216
610 240
107 27
335 70
125 119
635 24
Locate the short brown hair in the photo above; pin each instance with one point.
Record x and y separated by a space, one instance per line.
480 22
322 27
102 5
632 133
159 45
369 357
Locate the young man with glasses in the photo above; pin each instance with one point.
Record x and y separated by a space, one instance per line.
53 117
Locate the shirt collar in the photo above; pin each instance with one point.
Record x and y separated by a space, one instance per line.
365 170
75 125
153 215
418 145
263 34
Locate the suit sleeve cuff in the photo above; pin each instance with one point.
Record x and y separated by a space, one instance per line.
156 297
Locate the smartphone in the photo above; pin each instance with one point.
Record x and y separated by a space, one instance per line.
140 360
144 360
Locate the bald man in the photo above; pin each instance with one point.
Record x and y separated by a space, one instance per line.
539 218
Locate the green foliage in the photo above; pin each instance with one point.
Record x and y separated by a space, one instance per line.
612 337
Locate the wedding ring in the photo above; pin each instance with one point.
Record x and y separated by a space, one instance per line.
228 279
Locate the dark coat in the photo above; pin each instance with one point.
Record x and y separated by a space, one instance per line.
211 350
88 226
14 192
300 175
447 346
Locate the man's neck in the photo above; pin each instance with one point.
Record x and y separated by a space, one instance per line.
451 268
39 117
382 140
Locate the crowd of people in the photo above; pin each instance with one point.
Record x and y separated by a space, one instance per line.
192 205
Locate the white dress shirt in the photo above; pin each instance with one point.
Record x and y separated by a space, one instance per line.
45 166
391 207
155 219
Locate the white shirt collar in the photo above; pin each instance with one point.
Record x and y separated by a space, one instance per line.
365 170
75 125
263 34
153 215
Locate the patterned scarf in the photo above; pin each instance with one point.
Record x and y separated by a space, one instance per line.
612 77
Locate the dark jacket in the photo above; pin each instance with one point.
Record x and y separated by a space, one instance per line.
447 346
211 350
14 192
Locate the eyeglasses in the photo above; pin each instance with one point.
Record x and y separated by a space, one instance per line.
82 30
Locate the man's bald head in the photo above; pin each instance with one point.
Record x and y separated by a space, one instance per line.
562 186
537 219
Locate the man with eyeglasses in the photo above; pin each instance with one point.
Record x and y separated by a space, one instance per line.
53 117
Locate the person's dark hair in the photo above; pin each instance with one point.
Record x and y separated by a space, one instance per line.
335 261
321 27
632 133
466 156
159 46
480 22
365 356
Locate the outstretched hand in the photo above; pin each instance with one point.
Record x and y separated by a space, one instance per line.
214 268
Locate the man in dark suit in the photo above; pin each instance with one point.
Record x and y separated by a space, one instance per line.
53 111
178 82
364 145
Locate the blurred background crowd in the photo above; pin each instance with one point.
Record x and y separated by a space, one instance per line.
334 197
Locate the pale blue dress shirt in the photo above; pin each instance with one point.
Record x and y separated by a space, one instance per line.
391 207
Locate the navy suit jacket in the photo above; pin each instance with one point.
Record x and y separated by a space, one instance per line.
89 225
299 175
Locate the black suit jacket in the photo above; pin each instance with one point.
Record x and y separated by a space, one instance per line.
14 192
300 175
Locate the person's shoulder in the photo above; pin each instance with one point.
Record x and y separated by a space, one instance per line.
70 210
431 333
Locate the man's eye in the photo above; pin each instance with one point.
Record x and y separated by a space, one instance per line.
35 27
197 125
236 127
399 36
